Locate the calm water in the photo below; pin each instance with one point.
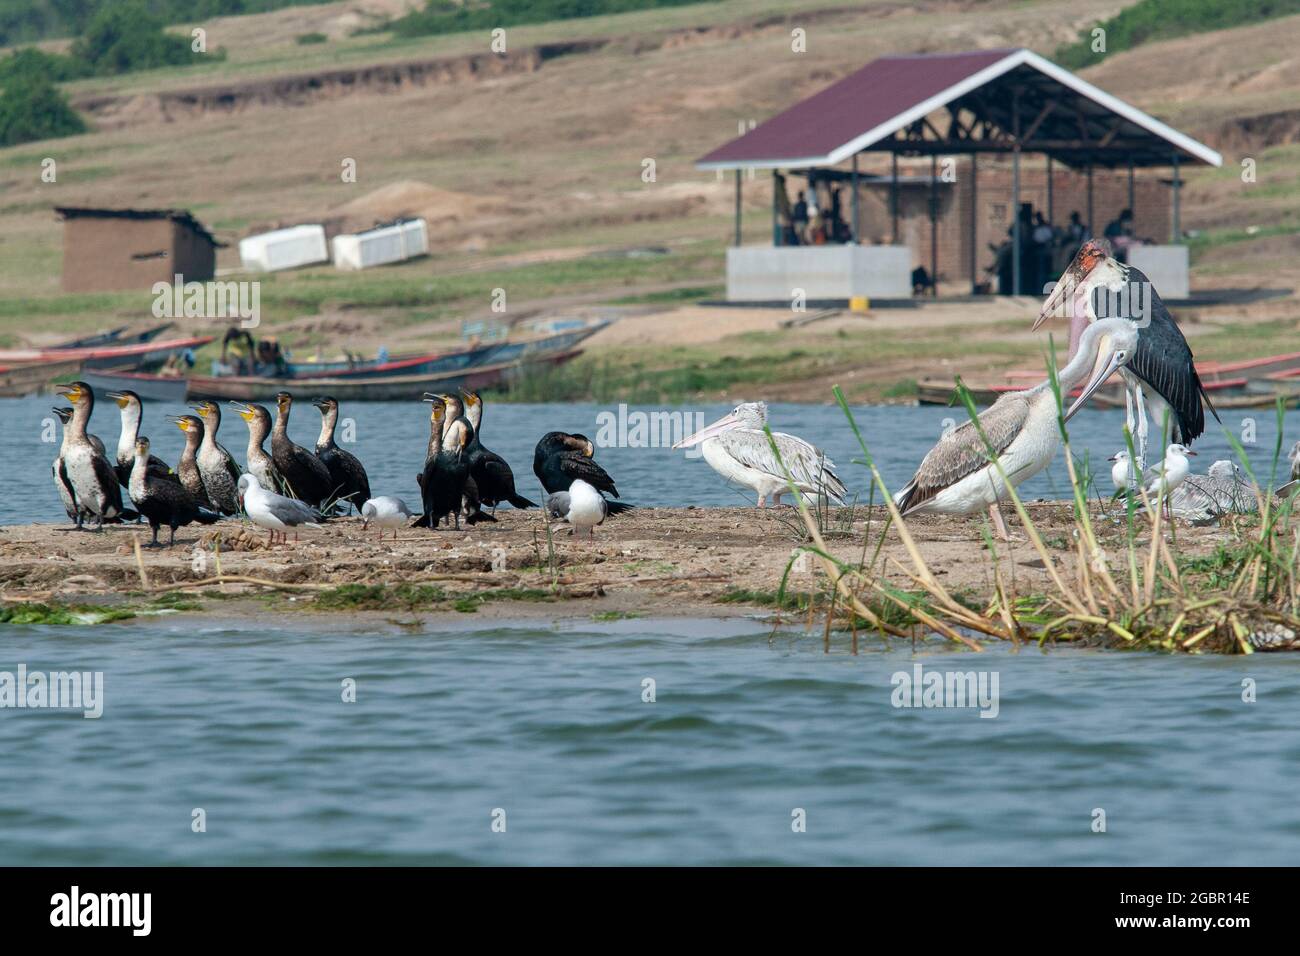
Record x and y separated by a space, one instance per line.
390 438
547 723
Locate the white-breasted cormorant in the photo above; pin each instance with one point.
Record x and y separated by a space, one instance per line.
306 477
217 466
260 464
162 502
348 477
187 467
132 410
442 484
491 472
90 475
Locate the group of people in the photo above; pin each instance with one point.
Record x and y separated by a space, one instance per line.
291 486
815 218
1046 250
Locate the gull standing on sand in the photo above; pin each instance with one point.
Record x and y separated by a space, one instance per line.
386 511
274 512
957 476
582 506
1163 477
737 448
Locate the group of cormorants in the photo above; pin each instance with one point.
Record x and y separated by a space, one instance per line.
292 486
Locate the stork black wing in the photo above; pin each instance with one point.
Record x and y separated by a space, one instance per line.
1163 359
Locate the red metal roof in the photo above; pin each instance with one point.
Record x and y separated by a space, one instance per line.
861 101
894 91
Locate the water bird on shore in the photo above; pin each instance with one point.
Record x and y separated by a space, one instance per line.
162 502
737 448
306 477
259 464
1122 473
582 507
87 471
61 481
560 459
386 511
1201 499
442 483
275 513
1160 479
188 466
958 477
1294 458
1161 375
491 472
217 466
455 419
347 474
131 409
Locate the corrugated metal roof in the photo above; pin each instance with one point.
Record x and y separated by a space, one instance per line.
893 92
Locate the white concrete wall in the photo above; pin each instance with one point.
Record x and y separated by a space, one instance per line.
1166 267
773 273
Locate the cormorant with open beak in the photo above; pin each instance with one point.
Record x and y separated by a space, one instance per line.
306 477
260 465
455 419
217 466
491 472
347 475
89 475
188 466
162 502
132 409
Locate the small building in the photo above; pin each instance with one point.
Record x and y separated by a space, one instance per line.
113 249
965 208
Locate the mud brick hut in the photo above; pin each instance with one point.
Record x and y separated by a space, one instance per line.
115 249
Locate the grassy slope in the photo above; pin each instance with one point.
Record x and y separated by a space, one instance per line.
565 168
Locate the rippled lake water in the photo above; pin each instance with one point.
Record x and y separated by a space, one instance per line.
547 723
545 720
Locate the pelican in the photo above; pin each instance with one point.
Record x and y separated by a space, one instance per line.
736 447
1161 376
1294 458
957 476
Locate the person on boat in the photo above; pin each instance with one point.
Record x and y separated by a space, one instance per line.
238 347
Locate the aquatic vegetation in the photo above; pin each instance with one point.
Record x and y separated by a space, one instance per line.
62 614
1141 593
380 597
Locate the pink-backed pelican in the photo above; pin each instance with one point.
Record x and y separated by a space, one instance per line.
736 447
957 476
1161 376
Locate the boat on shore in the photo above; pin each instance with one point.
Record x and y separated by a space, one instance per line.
345 388
19 381
154 388
475 366
138 356
117 336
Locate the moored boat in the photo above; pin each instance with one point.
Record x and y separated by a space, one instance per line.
156 388
17 381
138 356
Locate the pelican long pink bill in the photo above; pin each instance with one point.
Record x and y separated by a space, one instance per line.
1090 255
1116 358
728 420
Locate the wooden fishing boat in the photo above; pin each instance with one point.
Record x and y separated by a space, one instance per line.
155 388
16 381
139 356
351 388
117 336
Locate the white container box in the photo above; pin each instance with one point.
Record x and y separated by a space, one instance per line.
284 249
377 247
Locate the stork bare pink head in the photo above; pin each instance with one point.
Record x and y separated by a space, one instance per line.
1090 255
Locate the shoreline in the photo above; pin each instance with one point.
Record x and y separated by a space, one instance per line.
660 562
